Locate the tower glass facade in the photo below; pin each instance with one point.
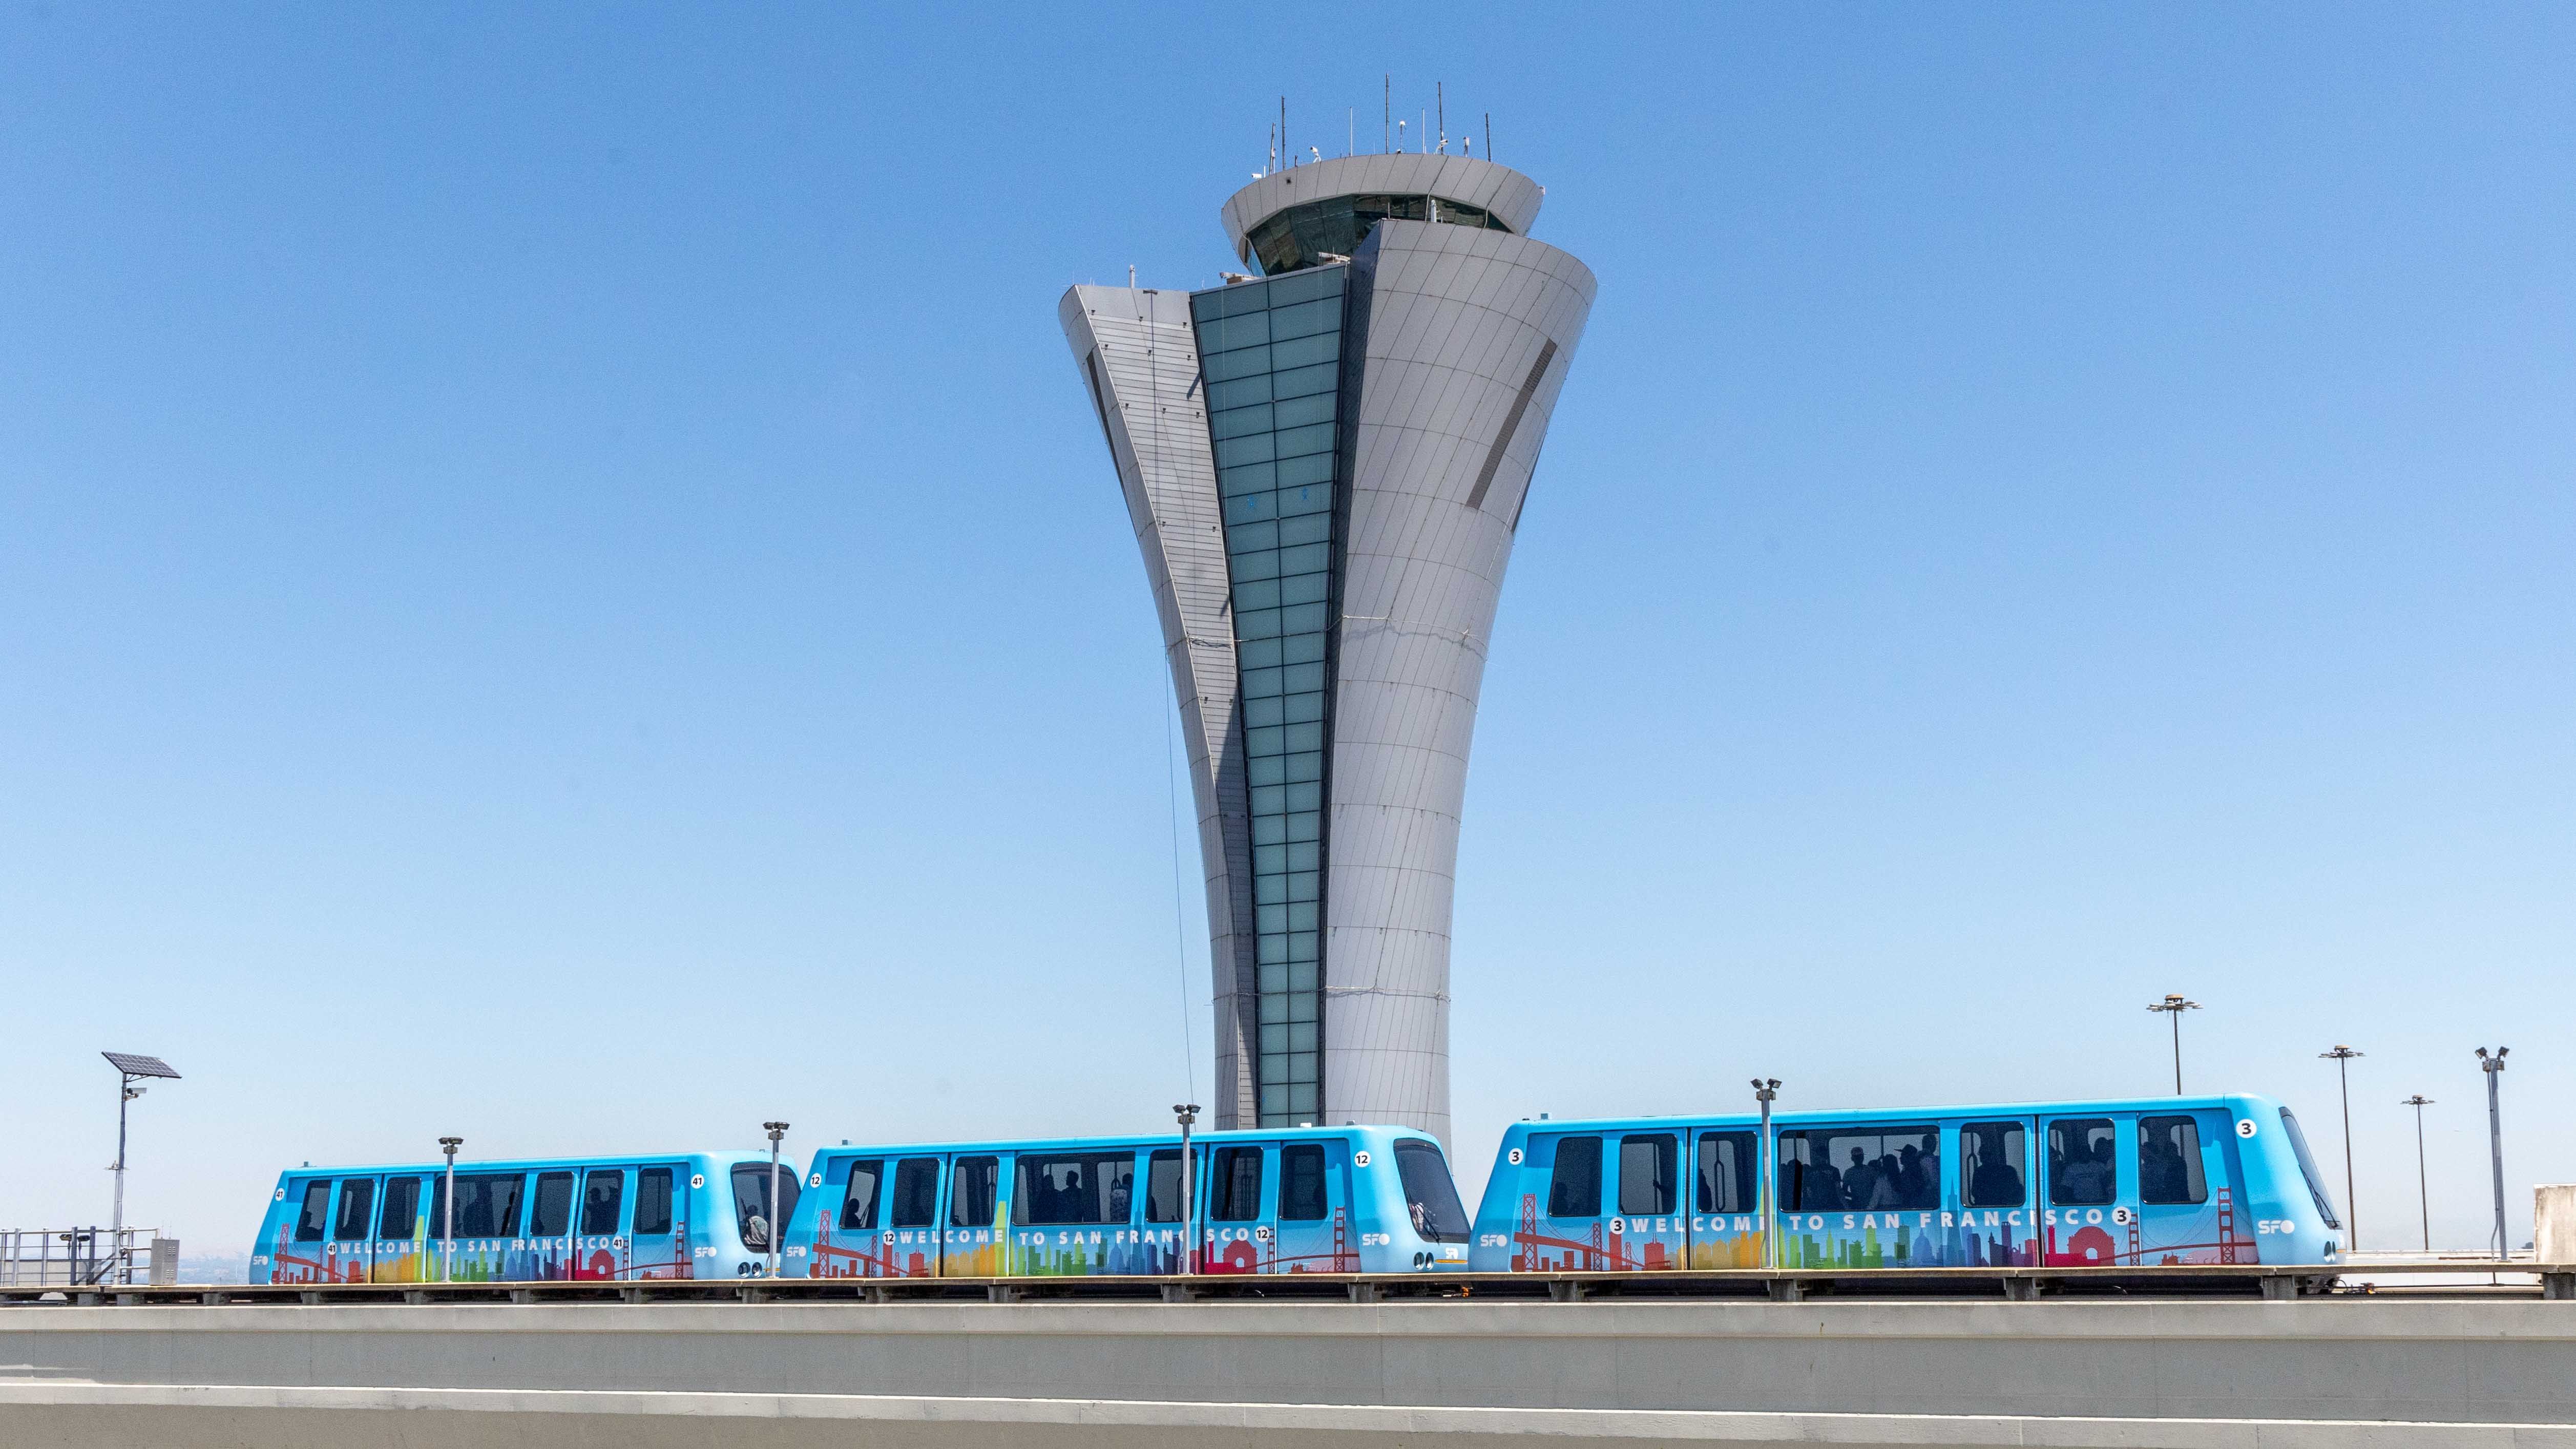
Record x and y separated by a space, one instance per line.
1270 361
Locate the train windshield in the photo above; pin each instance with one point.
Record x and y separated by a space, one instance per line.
1430 1194
2308 1168
751 1201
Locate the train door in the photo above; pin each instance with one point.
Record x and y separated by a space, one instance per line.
848 1234
1559 1227
972 1242
351 1258
1242 1234
657 1245
400 1253
1648 1230
1726 1205
550 1249
2186 1208
1993 1186
599 1237
910 1247
2084 1224
1165 1212
1313 1228
300 1236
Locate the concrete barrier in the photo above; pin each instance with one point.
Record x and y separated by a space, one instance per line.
2317 1372
2553 1222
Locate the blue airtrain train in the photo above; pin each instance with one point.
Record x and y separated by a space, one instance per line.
1305 1200
655 1215
2133 1182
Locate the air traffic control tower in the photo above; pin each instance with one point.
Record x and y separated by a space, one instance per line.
1325 466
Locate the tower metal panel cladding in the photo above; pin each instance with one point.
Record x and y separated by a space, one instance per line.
1325 468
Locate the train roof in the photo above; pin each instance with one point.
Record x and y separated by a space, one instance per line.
528 1164
1172 1138
1900 1114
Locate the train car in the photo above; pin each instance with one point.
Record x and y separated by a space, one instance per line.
1303 1200
655 1215
2133 1182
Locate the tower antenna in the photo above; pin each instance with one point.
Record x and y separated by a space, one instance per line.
1489 135
1386 115
1283 128
1440 97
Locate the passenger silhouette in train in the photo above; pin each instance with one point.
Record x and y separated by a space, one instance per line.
1887 1185
1859 1180
1121 1196
2088 1173
1822 1187
2161 1176
1995 1183
755 1229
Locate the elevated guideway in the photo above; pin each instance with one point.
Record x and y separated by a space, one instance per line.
2465 1367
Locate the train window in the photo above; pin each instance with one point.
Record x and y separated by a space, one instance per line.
859 1202
2082 1170
1301 1183
1574 1188
313 1217
1646 1173
551 1214
1092 1187
2169 1168
402 1208
1726 1173
753 1217
1861 1169
972 1191
916 1192
1163 1186
357 1204
791 1186
1429 1194
1792 1160
1992 1160
2308 1168
487 1205
1234 1192
603 1198
652 1201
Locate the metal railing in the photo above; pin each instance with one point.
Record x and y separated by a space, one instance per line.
86 1257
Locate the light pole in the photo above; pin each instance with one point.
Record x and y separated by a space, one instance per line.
447 1229
777 1229
1765 1090
130 1070
2342 1057
1187 1113
2423 1195
2174 1006
2493 1066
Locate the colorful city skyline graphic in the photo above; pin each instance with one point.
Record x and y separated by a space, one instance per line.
1954 1238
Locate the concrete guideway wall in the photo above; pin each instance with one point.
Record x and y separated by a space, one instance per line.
80 1417
1943 1372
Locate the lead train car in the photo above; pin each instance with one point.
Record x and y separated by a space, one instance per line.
2140 1182
1309 1200
670 1215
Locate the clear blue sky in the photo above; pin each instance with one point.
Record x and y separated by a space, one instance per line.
557 582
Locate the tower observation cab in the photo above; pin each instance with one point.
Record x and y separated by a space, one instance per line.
1326 466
